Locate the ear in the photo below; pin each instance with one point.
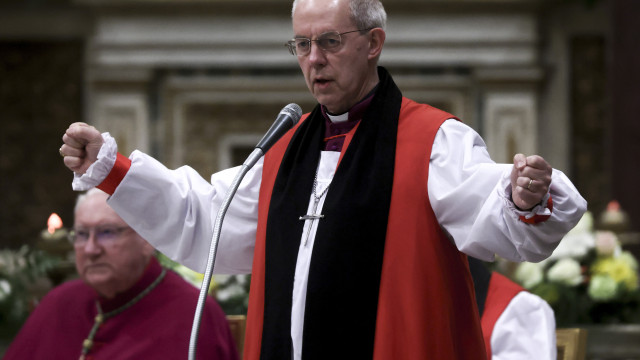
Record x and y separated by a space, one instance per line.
376 42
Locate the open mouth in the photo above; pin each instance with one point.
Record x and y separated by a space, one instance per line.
322 82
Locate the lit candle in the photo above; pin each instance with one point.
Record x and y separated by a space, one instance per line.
54 229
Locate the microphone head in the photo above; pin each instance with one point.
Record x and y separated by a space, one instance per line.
294 111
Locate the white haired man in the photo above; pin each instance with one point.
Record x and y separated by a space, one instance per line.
124 306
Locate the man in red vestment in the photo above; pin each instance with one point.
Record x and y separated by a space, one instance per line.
364 211
125 306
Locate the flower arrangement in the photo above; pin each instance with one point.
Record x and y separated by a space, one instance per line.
231 291
589 279
28 273
23 281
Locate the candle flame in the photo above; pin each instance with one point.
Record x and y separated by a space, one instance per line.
54 223
613 205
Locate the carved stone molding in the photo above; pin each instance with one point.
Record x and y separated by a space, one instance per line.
510 123
125 117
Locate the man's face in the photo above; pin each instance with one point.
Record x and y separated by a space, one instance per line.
338 80
113 257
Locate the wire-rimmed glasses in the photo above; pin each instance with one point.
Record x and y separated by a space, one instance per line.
104 235
329 41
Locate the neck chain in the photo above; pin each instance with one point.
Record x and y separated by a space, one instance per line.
316 200
315 188
101 317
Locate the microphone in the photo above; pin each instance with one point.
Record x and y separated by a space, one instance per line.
287 118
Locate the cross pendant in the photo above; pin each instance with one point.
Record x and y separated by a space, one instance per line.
313 216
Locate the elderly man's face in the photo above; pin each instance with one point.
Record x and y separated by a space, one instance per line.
338 80
113 257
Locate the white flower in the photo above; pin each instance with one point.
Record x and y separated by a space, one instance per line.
566 271
628 258
5 289
602 288
585 225
528 274
229 292
578 241
606 243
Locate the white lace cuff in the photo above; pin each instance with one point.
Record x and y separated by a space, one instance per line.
98 171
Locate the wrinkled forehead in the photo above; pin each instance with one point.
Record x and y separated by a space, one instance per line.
313 17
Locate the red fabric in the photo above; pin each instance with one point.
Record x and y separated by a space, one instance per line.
157 327
501 292
427 308
119 170
539 218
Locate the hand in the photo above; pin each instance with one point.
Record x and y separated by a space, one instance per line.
530 180
82 143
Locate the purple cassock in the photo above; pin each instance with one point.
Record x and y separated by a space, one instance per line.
157 326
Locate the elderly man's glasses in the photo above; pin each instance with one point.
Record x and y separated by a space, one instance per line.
104 235
329 41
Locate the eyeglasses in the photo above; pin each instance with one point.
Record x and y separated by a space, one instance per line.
104 235
329 41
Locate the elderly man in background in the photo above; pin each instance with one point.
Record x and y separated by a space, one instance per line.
355 225
125 306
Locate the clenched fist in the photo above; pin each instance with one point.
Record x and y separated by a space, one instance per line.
82 143
530 180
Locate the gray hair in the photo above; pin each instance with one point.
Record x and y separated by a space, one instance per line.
366 14
83 196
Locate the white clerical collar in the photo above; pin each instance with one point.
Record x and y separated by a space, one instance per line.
338 118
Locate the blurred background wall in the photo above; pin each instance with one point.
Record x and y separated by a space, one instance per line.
197 82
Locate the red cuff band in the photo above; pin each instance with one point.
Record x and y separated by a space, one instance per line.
538 218
120 169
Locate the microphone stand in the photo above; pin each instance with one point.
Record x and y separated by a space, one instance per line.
204 289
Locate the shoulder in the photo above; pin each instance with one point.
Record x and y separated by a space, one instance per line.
528 304
528 313
414 109
63 293
503 283
416 119
70 297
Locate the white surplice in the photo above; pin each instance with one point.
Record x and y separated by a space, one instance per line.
469 193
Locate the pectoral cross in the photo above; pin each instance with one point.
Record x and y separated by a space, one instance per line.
313 216
316 200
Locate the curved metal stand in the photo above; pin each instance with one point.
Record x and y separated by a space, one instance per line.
204 289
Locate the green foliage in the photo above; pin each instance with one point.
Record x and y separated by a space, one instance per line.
607 293
231 291
24 278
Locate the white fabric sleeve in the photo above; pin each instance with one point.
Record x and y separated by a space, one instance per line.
98 171
175 210
525 330
471 197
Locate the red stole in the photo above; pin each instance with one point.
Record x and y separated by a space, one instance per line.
501 292
426 304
